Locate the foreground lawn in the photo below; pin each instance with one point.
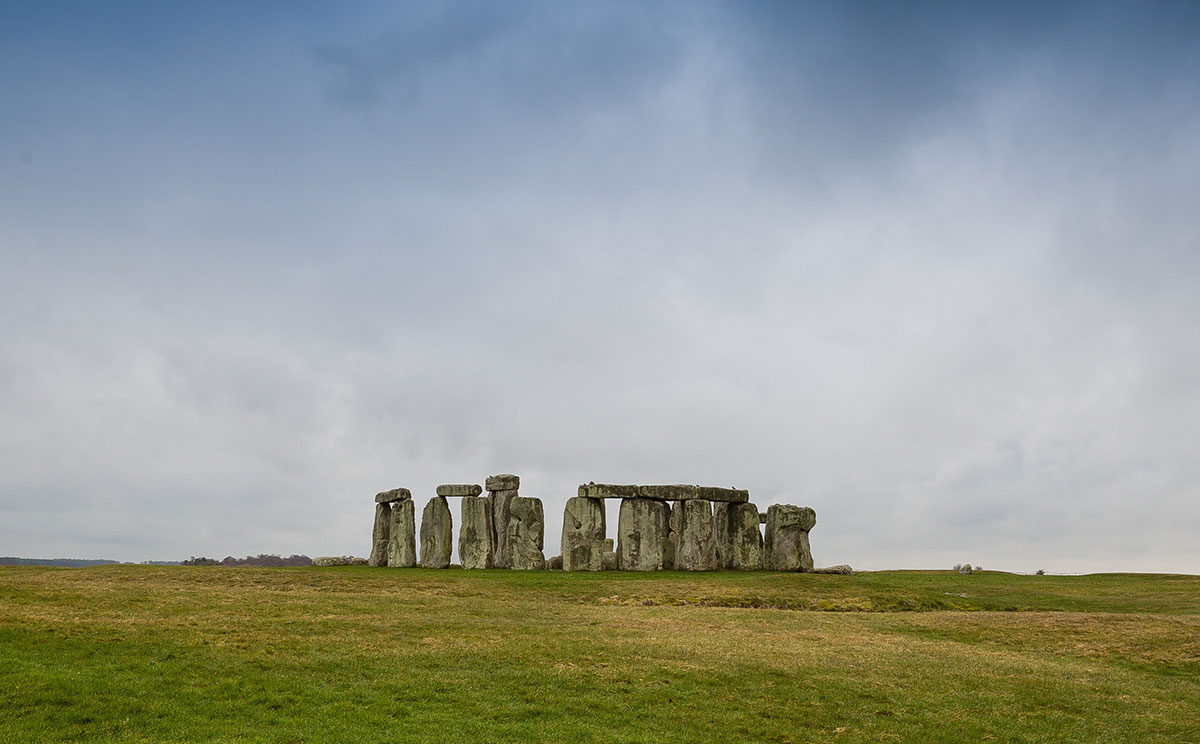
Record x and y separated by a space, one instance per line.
159 654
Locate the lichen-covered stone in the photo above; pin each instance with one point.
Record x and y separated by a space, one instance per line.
554 563
583 534
697 547
786 546
476 534
396 494
501 502
402 543
526 534
436 534
379 533
723 495
667 493
459 489
739 543
608 561
607 491
325 561
642 531
840 569
502 482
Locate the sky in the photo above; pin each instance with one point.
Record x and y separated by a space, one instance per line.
928 268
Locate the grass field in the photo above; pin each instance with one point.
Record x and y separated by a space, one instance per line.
150 654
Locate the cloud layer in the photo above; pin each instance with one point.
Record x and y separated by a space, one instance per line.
931 272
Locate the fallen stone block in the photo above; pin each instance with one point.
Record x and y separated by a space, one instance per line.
325 561
841 569
554 563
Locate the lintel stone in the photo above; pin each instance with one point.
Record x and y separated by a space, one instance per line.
502 482
459 489
396 494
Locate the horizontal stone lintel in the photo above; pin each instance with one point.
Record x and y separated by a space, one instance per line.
664 493
396 494
459 489
502 482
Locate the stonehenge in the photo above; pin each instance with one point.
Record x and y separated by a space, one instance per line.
681 527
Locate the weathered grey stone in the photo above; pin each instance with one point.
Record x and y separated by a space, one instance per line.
725 495
501 502
786 546
607 491
608 561
642 530
762 517
436 534
459 489
325 561
402 543
583 534
739 543
502 482
841 569
476 534
667 493
379 533
697 547
354 561
608 545
965 568
526 532
672 543
554 563
396 494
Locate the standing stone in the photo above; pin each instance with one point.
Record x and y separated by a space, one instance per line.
671 548
379 534
436 534
739 543
476 535
402 543
697 549
786 546
642 530
583 534
502 489
526 531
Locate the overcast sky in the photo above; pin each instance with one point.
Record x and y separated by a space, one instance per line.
931 269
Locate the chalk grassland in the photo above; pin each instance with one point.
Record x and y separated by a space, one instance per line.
148 654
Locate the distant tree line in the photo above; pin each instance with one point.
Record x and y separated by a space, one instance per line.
262 559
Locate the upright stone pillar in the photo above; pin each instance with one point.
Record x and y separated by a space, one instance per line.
671 545
739 543
476 534
583 534
381 531
379 535
502 489
786 546
526 534
436 534
697 550
402 543
642 533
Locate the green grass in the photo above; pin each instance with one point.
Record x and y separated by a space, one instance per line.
154 654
